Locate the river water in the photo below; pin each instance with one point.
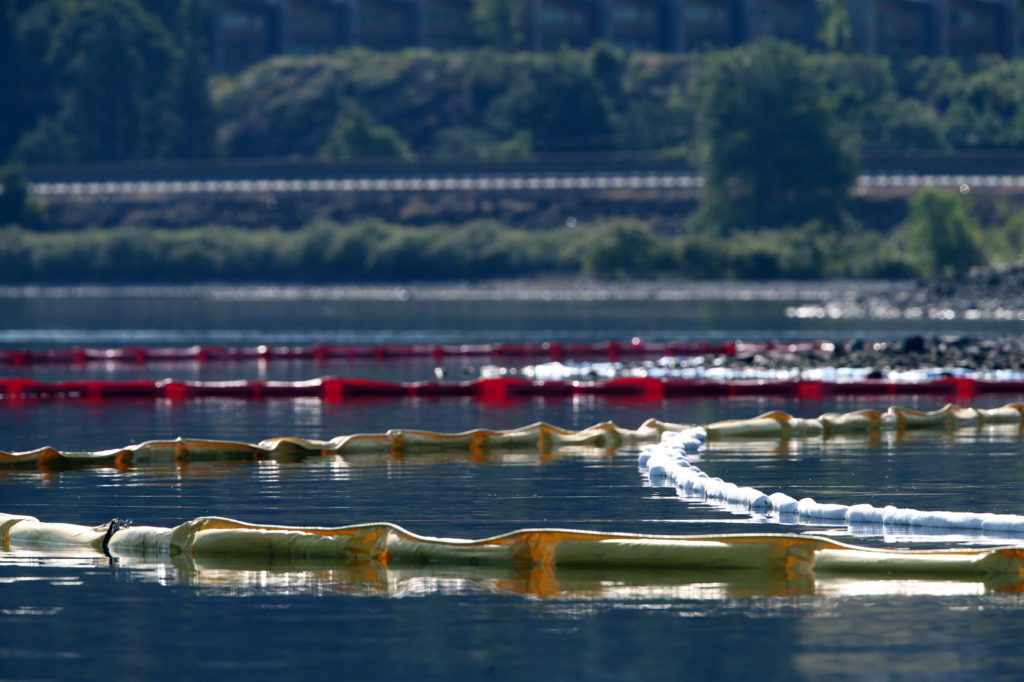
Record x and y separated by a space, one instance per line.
80 616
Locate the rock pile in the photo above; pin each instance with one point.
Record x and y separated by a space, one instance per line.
995 293
914 352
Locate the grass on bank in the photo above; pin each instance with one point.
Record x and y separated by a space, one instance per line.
941 237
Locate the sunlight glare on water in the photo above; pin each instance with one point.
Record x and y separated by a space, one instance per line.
73 614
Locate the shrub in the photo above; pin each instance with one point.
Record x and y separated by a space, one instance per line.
940 236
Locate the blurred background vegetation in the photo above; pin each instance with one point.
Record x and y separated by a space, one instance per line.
776 130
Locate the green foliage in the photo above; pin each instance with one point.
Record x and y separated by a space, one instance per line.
989 113
105 80
320 252
1004 242
12 84
835 34
771 149
911 125
107 55
873 111
29 77
16 207
193 106
496 104
482 144
374 251
607 64
561 106
937 82
941 237
498 23
356 136
440 102
622 251
484 104
129 79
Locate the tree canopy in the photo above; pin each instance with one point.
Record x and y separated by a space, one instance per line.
770 145
100 80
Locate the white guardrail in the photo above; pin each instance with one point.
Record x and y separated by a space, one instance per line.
483 183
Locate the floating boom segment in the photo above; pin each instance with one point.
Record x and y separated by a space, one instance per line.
789 555
664 456
540 437
866 560
666 462
778 424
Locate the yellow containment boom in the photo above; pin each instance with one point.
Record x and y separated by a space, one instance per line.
781 425
788 555
540 437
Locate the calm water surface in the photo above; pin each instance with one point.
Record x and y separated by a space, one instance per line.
77 616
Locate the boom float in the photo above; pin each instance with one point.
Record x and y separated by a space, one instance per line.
663 456
666 463
788 555
542 437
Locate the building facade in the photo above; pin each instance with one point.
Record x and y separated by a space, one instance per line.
245 31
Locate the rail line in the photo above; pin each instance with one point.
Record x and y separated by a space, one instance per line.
535 182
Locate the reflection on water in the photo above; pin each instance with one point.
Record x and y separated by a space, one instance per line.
246 316
164 619
241 576
68 616
218 316
78 425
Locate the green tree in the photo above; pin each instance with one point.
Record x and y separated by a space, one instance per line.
769 141
192 93
27 85
355 135
12 81
114 70
561 105
498 23
941 237
95 80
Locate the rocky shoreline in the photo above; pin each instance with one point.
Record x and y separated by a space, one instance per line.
913 358
983 294
910 353
937 355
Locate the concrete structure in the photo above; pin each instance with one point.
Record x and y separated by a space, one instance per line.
243 33
446 23
793 20
954 28
246 31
